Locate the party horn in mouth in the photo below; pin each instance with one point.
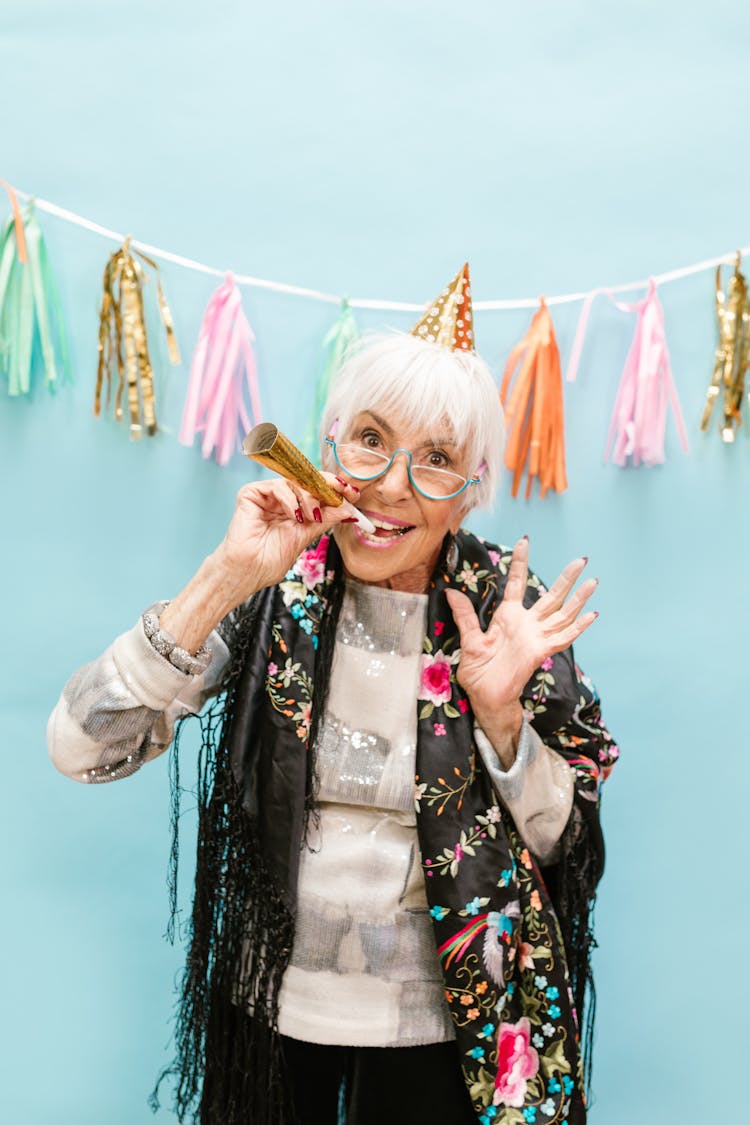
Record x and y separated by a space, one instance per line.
269 447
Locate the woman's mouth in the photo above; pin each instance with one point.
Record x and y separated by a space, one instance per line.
386 533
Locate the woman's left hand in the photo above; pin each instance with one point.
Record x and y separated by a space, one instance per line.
496 665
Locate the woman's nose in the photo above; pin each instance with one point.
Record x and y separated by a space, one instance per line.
395 483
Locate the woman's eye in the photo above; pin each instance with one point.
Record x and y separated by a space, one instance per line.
437 460
371 439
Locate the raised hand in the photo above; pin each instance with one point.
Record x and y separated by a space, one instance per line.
496 665
272 523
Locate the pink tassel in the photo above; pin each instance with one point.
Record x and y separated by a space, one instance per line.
646 387
223 366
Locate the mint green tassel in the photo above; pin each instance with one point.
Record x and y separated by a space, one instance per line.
340 338
29 299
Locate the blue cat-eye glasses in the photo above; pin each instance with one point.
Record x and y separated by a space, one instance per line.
430 481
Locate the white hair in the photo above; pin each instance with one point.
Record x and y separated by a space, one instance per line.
423 382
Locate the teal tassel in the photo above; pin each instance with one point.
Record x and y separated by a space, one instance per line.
340 338
29 300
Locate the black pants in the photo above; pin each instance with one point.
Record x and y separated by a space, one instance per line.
381 1085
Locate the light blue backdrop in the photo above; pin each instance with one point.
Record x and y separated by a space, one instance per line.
369 148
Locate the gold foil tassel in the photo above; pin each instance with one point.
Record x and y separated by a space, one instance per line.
123 339
732 353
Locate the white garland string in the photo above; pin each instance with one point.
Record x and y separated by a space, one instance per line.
367 302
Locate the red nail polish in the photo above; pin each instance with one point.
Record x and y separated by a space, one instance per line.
298 515
317 516
355 487
344 482
350 519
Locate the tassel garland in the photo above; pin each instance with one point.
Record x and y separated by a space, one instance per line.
223 365
122 327
534 412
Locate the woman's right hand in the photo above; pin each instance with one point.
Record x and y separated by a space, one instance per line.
272 523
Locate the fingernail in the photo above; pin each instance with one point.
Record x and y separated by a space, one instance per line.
596 614
355 487
298 515
525 537
585 558
317 516
344 482
596 581
350 519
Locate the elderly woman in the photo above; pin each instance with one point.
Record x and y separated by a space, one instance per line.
398 783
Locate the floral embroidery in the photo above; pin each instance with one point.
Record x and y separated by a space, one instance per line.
311 565
435 679
517 1061
302 587
442 793
288 683
289 690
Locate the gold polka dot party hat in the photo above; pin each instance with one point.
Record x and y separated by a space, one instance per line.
448 320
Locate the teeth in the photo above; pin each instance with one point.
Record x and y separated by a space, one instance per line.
389 526
397 532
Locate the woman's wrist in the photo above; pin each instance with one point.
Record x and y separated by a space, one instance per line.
502 727
209 596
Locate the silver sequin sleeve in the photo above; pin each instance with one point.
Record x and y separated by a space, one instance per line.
119 711
537 790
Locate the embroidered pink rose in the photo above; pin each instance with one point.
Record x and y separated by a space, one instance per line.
439 728
547 664
311 565
272 669
435 679
463 706
439 627
517 1061
494 555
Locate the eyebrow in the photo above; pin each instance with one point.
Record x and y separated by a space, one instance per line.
431 442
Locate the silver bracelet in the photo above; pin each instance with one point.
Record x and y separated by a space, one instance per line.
166 645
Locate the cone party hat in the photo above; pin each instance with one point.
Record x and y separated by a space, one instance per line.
448 320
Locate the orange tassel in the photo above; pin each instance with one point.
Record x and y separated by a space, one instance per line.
534 408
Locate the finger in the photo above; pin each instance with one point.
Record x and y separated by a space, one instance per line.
573 606
560 588
295 503
518 572
345 487
572 633
464 616
331 516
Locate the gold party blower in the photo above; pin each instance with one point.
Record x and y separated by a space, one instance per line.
269 447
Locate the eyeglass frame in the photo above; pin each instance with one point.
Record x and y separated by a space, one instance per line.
330 440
